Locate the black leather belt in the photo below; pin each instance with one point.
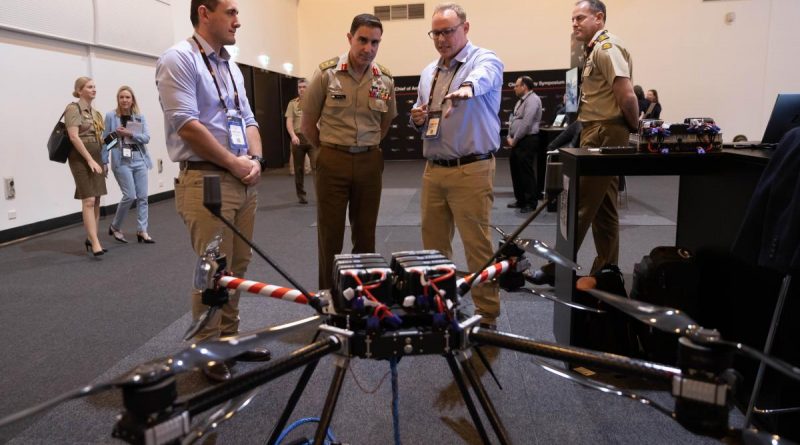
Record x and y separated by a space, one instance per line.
468 159
352 149
200 165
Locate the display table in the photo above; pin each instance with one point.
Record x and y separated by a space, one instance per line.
714 191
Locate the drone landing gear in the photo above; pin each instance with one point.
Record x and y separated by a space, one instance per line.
460 368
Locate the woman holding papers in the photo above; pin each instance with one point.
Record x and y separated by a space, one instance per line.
130 161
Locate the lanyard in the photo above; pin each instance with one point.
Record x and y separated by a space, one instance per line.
521 101
436 77
214 77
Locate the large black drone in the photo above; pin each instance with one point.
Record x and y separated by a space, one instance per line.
410 306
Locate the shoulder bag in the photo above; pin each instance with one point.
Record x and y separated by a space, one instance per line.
59 145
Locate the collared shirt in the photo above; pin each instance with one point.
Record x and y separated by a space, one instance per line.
526 117
608 60
88 120
351 112
294 112
187 92
473 127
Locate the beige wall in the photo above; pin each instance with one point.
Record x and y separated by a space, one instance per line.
683 48
38 85
269 27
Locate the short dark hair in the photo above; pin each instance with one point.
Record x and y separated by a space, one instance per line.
301 80
596 6
527 81
194 16
368 20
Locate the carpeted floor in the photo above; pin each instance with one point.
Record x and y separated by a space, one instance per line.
68 320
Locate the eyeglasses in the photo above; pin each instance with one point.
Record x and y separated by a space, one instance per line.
447 32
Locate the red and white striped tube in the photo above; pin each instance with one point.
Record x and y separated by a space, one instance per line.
267 290
487 274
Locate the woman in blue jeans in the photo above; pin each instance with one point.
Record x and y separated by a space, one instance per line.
129 162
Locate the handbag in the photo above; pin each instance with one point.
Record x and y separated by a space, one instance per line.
59 145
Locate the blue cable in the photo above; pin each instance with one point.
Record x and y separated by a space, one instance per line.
395 401
296 424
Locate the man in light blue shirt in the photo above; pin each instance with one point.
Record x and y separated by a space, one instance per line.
211 131
457 113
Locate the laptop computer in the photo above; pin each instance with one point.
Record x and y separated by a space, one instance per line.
785 116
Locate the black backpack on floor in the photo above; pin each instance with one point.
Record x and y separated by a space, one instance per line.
668 276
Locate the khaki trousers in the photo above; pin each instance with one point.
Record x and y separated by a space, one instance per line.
239 204
461 197
597 198
346 181
298 156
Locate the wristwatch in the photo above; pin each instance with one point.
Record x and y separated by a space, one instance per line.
261 161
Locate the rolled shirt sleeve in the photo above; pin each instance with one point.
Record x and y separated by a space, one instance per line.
176 80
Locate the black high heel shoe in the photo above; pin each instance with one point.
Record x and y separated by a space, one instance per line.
88 245
117 235
143 237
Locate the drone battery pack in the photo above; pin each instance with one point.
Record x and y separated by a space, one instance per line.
413 269
352 271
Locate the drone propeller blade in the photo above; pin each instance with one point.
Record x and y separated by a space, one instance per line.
69 395
675 321
228 348
779 365
663 318
196 355
775 411
602 387
198 324
542 250
555 299
220 416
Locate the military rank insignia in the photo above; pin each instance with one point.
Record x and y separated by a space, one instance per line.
606 46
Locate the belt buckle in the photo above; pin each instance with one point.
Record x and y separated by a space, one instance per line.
355 149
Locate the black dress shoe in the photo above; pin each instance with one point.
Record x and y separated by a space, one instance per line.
255 355
218 372
513 205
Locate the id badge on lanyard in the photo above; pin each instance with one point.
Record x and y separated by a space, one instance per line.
236 132
434 130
